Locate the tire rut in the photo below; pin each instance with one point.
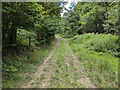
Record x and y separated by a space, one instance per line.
84 79
41 68
50 63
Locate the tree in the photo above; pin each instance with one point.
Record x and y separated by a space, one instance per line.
97 17
18 15
38 17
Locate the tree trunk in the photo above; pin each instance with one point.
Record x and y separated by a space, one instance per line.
29 43
12 35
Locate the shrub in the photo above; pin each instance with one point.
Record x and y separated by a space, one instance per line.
98 42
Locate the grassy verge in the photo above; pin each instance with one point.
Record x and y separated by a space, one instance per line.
101 66
27 66
64 76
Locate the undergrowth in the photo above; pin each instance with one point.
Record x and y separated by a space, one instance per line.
105 43
98 54
19 64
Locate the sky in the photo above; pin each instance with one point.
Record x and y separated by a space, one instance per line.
68 5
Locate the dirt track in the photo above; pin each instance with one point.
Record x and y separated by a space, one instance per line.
49 65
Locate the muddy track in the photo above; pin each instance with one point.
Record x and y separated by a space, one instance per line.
40 69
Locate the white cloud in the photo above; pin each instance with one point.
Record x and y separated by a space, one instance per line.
76 1
68 5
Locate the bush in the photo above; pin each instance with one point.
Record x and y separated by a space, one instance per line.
94 52
10 66
98 42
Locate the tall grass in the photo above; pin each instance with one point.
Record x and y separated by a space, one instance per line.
99 42
97 53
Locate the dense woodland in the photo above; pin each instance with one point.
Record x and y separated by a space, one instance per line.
40 18
92 17
29 29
